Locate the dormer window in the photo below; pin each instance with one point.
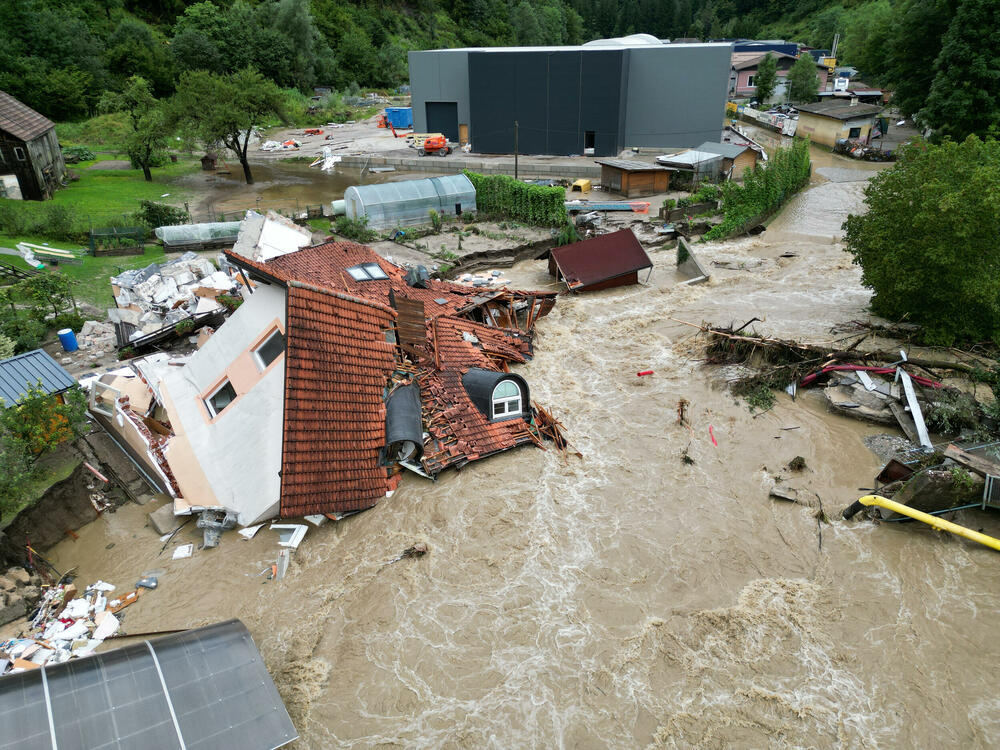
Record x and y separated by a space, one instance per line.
367 272
506 399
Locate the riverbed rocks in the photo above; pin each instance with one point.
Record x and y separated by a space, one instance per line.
19 592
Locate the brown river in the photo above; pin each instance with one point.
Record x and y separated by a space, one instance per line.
624 599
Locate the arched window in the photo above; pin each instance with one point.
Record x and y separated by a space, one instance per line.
506 399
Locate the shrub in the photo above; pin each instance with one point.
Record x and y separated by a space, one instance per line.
6 347
435 219
568 234
153 215
354 229
503 196
229 301
24 329
76 154
67 320
183 326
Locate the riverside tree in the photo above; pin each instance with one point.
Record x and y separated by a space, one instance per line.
767 78
226 109
927 242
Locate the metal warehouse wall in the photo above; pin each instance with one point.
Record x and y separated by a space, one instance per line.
676 94
555 95
439 76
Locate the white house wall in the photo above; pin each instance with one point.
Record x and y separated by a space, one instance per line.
233 459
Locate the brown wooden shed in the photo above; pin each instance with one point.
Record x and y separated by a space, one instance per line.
633 179
29 152
736 158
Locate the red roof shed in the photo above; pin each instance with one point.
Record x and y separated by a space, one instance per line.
605 261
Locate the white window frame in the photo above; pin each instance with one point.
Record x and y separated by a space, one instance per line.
367 272
20 154
750 80
506 401
208 399
256 351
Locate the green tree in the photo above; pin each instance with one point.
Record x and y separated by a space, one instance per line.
226 109
803 82
526 27
6 347
147 138
965 96
766 78
915 43
47 289
927 242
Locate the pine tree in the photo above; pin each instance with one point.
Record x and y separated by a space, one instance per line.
965 95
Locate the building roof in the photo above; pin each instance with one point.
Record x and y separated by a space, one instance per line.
20 120
690 158
725 150
631 165
839 110
24 370
600 258
207 687
744 60
337 362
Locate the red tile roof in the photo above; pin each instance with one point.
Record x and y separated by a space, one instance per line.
20 120
337 363
458 431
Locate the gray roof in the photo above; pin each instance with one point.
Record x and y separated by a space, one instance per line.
725 150
839 110
630 165
20 120
691 157
203 688
24 370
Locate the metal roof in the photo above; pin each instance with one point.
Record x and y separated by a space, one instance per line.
725 150
600 258
20 120
690 158
202 688
24 370
630 165
839 110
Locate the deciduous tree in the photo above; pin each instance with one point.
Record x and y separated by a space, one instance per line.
927 242
147 138
226 109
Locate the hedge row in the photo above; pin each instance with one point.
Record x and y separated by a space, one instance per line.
764 190
503 196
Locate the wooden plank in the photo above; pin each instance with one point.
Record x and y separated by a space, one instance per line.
977 464
905 422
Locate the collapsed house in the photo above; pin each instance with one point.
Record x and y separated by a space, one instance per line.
339 370
601 262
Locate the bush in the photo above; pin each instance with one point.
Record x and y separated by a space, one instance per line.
182 327
76 154
503 196
354 229
927 244
764 190
67 320
435 219
24 329
229 301
153 215
7 348
568 234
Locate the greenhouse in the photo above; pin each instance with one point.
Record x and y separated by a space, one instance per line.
199 236
401 204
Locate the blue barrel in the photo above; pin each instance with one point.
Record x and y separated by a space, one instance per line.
399 117
68 340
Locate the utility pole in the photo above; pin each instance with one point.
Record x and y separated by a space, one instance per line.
515 149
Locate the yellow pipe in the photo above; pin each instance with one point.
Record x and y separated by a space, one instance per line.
937 523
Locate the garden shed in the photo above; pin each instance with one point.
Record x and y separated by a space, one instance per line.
633 179
30 157
407 203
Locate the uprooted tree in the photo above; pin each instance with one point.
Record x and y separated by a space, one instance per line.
226 109
927 244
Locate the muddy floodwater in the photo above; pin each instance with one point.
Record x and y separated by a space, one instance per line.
623 598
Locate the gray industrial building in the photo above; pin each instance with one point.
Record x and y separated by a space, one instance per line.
607 95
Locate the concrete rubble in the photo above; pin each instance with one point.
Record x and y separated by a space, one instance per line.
164 294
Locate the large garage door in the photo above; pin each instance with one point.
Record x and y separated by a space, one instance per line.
442 117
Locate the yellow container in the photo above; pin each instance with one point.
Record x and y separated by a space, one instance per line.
580 186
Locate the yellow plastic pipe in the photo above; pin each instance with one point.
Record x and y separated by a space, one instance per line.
937 523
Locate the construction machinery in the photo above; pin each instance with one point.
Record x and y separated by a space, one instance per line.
435 144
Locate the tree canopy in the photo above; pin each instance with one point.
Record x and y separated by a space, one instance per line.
803 82
766 78
147 138
927 242
225 109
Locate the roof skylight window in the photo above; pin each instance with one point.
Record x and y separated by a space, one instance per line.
367 272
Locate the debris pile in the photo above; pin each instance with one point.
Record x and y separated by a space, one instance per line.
164 294
97 337
484 279
68 624
290 145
